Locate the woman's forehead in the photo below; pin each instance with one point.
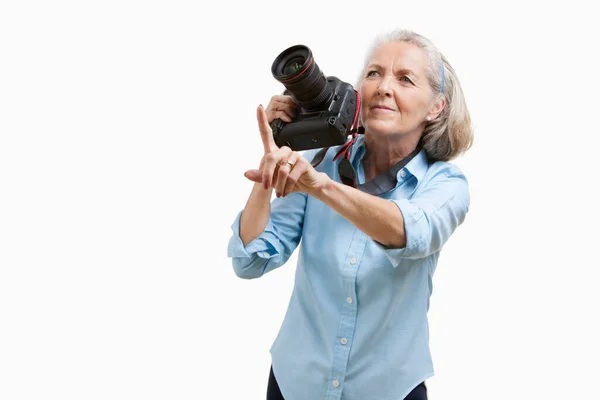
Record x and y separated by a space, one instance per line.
400 55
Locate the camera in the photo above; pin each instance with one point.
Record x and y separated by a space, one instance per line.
326 106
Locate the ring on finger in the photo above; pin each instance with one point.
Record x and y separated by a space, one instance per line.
286 162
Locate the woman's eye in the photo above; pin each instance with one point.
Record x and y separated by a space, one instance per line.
406 79
372 73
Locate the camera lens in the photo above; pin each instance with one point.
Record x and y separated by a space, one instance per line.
293 65
297 70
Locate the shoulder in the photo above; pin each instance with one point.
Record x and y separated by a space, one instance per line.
443 169
442 181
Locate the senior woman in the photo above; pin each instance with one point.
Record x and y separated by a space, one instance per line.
356 325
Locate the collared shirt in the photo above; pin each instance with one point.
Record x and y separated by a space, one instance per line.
356 326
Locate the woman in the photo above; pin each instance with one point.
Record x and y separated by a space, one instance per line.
356 325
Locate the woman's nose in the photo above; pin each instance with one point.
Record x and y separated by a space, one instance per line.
384 88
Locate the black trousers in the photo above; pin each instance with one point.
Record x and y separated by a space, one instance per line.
273 392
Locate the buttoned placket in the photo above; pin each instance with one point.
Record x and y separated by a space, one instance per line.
347 323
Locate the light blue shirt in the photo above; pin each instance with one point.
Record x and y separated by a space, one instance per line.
356 325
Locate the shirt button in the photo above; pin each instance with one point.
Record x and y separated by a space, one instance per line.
265 254
402 173
336 383
349 300
353 260
344 340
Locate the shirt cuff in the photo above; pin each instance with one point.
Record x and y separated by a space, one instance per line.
260 246
415 228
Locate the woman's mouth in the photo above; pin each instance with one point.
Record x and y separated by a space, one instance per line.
382 108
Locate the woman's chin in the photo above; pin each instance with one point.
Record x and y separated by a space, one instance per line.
380 128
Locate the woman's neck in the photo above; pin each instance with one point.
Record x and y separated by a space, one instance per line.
383 152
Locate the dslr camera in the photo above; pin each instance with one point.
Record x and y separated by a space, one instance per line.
326 106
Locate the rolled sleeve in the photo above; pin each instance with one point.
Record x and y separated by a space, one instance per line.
432 216
260 246
273 247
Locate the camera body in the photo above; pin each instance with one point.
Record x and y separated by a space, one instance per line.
328 126
326 105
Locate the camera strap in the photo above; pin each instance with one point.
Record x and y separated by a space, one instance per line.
380 184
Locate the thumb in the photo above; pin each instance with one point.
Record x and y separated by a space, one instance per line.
255 175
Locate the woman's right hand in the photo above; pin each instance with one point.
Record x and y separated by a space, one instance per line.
281 106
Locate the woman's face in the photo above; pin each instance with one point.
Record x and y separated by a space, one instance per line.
395 93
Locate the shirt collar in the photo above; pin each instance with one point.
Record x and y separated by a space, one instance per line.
417 167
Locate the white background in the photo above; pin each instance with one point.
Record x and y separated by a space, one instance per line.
126 127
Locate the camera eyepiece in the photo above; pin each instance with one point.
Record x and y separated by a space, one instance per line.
297 70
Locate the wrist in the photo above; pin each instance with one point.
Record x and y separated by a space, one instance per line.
323 185
260 190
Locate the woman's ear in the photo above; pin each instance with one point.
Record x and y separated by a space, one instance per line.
437 108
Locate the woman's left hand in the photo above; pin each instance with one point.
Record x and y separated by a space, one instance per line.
281 168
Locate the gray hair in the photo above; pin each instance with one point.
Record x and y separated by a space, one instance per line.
450 134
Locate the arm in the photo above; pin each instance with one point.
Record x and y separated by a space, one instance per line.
255 215
378 218
406 227
274 245
264 237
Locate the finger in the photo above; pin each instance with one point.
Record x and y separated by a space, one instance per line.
281 103
282 177
289 106
272 115
266 132
296 172
273 161
292 159
275 108
255 175
284 170
283 98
